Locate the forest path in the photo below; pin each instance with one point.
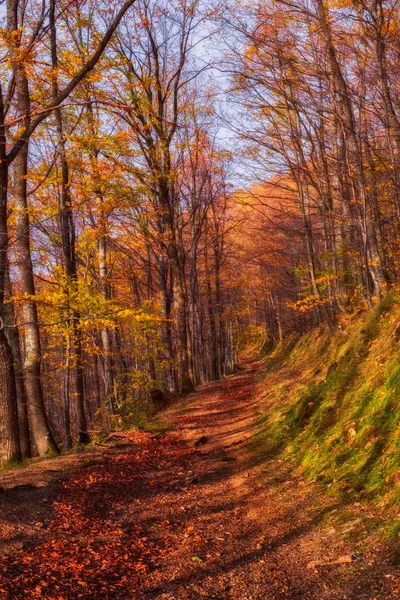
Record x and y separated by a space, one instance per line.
187 514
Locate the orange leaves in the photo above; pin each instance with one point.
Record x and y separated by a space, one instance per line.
188 531
308 303
96 545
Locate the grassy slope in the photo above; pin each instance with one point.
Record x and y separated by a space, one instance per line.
332 403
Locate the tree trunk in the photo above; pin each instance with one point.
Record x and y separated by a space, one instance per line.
14 342
68 237
42 435
66 394
108 373
43 438
372 260
215 372
180 311
391 121
10 449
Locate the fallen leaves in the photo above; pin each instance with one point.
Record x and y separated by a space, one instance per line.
89 551
341 560
129 528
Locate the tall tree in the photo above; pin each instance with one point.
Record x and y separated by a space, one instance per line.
19 151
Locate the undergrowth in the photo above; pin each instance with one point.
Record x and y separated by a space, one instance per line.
332 404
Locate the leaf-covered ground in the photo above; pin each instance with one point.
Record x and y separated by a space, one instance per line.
157 515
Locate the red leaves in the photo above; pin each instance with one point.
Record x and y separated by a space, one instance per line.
95 546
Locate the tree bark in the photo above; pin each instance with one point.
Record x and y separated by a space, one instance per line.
12 335
108 372
68 238
42 435
10 449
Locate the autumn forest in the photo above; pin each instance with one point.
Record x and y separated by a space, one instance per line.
184 183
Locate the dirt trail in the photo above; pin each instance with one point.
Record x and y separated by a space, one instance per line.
184 515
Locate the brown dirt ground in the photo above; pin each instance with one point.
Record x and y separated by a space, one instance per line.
153 516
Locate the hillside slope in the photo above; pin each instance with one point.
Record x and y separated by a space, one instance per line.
331 402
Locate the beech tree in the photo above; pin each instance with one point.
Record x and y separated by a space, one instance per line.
20 45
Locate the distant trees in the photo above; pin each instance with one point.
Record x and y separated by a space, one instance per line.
320 82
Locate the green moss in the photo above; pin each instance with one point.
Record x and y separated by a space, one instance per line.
332 403
158 427
13 464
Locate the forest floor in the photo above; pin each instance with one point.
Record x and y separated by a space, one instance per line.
186 512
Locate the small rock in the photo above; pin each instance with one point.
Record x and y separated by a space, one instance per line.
201 441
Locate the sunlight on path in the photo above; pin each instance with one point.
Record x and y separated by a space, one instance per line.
187 514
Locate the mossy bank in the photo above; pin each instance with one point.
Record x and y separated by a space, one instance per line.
330 401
